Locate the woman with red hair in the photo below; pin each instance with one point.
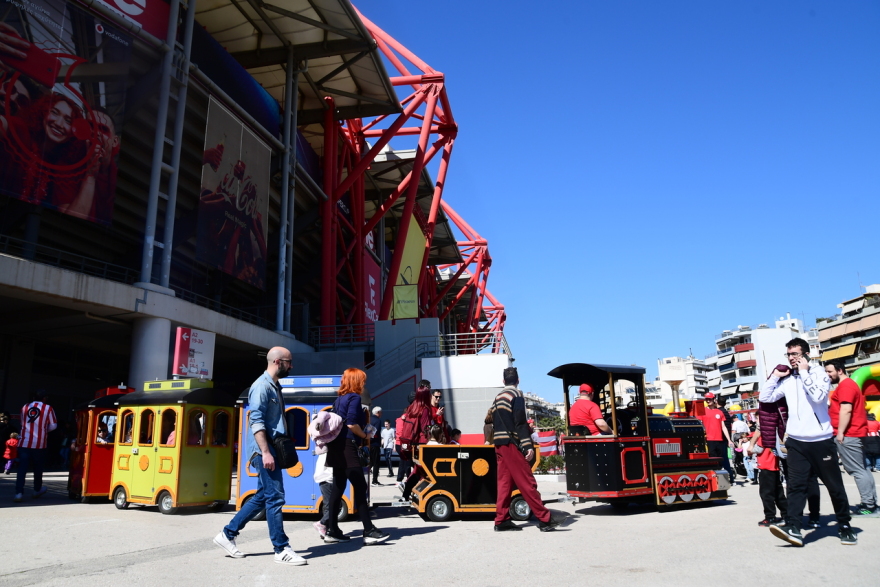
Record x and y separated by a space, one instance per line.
420 412
342 457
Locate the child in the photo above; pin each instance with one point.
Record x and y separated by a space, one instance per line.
456 436
435 434
11 452
771 491
324 478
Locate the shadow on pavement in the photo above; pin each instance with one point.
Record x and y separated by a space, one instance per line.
356 542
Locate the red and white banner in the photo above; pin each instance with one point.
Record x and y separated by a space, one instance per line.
547 443
150 15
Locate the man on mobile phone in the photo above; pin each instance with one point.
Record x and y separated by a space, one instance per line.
810 442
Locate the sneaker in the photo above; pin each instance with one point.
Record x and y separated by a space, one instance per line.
390 475
814 523
766 522
847 537
41 492
18 497
321 528
788 533
507 526
334 537
228 545
375 536
376 484
864 511
401 486
288 557
552 523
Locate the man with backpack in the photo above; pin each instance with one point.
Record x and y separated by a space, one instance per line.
513 452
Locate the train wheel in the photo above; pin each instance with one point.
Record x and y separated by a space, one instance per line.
343 513
120 499
519 509
439 508
260 516
166 503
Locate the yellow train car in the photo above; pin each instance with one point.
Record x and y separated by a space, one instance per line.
173 446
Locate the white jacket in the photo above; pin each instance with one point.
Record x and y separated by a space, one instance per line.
807 399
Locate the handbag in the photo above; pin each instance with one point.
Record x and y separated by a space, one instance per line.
363 456
285 452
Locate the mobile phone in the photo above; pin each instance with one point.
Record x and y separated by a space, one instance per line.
38 65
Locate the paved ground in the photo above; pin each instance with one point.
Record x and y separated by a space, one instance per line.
52 541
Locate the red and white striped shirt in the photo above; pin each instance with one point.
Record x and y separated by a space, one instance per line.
37 420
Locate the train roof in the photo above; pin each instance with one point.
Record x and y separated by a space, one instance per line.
595 375
293 396
205 395
105 401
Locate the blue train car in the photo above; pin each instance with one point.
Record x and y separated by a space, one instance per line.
304 397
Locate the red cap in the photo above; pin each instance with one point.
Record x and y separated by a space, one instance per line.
709 395
586 388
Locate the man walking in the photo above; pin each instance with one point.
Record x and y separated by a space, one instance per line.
717 436
376 443
810 443
514 451
37 421
266 420
850 422
388 445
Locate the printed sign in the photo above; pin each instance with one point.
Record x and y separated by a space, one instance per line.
234 201
150 15
194 353
63 75
372 287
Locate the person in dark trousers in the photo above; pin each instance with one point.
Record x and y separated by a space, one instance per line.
37 421
717 437
342 457
771 490
513 452
376 443
810 443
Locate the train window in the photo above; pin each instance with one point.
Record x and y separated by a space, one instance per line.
145 432
297 420
220 432
195 435
125 429
168 436
105 428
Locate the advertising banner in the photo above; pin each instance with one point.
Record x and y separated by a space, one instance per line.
234 200
406 301
373 287
194 353
63 75
406 293
150 15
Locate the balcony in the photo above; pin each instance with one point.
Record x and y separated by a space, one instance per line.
727 367
746 364
749 346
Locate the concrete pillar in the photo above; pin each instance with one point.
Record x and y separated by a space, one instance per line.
150 351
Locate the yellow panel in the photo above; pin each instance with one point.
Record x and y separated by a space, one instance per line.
173 384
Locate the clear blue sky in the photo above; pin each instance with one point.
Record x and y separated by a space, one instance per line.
649 174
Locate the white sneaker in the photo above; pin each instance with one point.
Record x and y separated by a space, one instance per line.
288 557
228 545
18 497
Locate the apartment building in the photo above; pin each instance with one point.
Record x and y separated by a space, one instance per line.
745 357
853 335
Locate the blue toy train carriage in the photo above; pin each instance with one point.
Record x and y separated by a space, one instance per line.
304 397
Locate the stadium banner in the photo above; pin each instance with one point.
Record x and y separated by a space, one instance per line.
63 74
406 302
234 198
150 15
373 287
413 253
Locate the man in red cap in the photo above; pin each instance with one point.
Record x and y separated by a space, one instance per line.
585 416
717 436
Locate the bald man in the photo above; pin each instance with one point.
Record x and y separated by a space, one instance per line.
266 418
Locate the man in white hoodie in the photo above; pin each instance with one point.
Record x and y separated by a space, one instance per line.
810 444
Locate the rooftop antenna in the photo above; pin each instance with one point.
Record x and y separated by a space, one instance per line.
861 287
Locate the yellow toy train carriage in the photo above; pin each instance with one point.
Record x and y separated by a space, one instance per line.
173 446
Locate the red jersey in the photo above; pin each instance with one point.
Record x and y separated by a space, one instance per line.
11 451
37 419
713 420
873 428
848 392
767 460
585 413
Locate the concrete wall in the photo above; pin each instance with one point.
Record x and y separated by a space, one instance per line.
326 362
390 334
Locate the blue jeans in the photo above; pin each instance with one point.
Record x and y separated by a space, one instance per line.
270 495
26 456
872 461
387 452
749 462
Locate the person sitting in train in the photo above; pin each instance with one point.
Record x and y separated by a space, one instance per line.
585 417
103 434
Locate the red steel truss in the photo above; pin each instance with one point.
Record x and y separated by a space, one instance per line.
348 156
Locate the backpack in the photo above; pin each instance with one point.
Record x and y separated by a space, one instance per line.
407 431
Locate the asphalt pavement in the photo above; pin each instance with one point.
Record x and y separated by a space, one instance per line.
54 541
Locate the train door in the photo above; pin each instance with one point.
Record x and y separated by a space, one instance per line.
300 479
478 473
122 456
143 459
196 456
167 450
99 458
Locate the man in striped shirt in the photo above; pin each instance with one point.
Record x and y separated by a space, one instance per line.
513 452
37 421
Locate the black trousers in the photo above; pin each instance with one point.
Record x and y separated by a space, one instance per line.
718 448
355 475
375 450
807 460
772 494
814 500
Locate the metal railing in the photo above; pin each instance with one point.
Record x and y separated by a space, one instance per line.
472 343
264 321
342 336
65 260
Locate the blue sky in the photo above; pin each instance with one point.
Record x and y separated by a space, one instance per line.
649 174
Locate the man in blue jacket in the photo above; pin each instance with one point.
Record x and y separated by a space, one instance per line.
810 444
266 421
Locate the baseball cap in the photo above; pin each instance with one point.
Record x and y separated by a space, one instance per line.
585 388
709 395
